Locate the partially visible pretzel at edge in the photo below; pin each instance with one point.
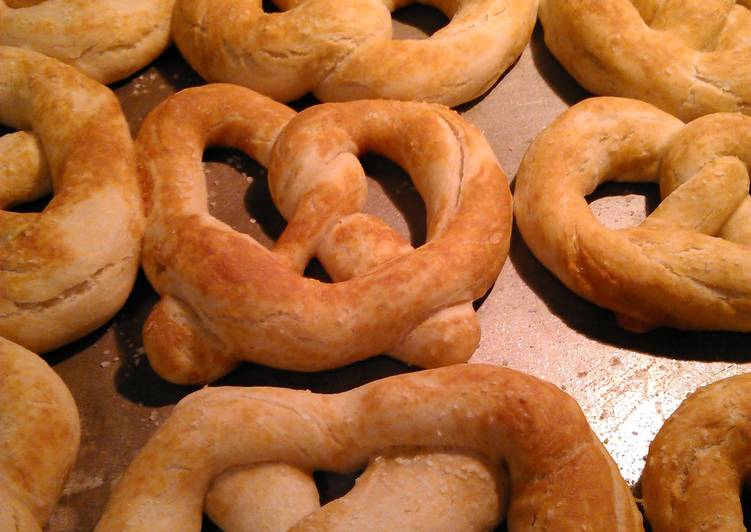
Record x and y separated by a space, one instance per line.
688 265
472 421
225 298
107 40
38 441
698 462
687 57
66 270
344 51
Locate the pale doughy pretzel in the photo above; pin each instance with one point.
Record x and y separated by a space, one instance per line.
688 57
688 265
698 461
39 436
422 490
469 419
225 298
107 39
66 270
344 51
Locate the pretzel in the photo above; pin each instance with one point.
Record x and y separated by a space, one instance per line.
698 461
107 40
344 50
687 57
225 298
38 441
469 419
688 265
67 270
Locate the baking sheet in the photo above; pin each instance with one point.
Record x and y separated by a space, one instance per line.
626 383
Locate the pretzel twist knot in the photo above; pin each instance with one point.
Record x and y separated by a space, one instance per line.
106 40
469 419
225 298
688 265
38 441
688 57
698 462
67 270
344 51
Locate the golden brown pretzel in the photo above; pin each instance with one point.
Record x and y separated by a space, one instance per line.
107 40
225 298
698 461
688 57
39 438
66 270
343 51
688 265
561 477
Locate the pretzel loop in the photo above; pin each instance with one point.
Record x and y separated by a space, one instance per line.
354 243
470 419
67 270
687 265
345 51
212 279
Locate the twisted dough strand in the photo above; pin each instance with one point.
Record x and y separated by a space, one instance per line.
67 270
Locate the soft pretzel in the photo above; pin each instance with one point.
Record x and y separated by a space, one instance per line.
687 57
38 441
107 40
66 270
688 265
344 51
225 298
698 461
469 419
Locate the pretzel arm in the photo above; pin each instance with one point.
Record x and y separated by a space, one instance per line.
705 202
24 175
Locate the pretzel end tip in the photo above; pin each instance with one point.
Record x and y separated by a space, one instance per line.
178 347
448 337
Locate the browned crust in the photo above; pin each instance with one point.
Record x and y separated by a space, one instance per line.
231 299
